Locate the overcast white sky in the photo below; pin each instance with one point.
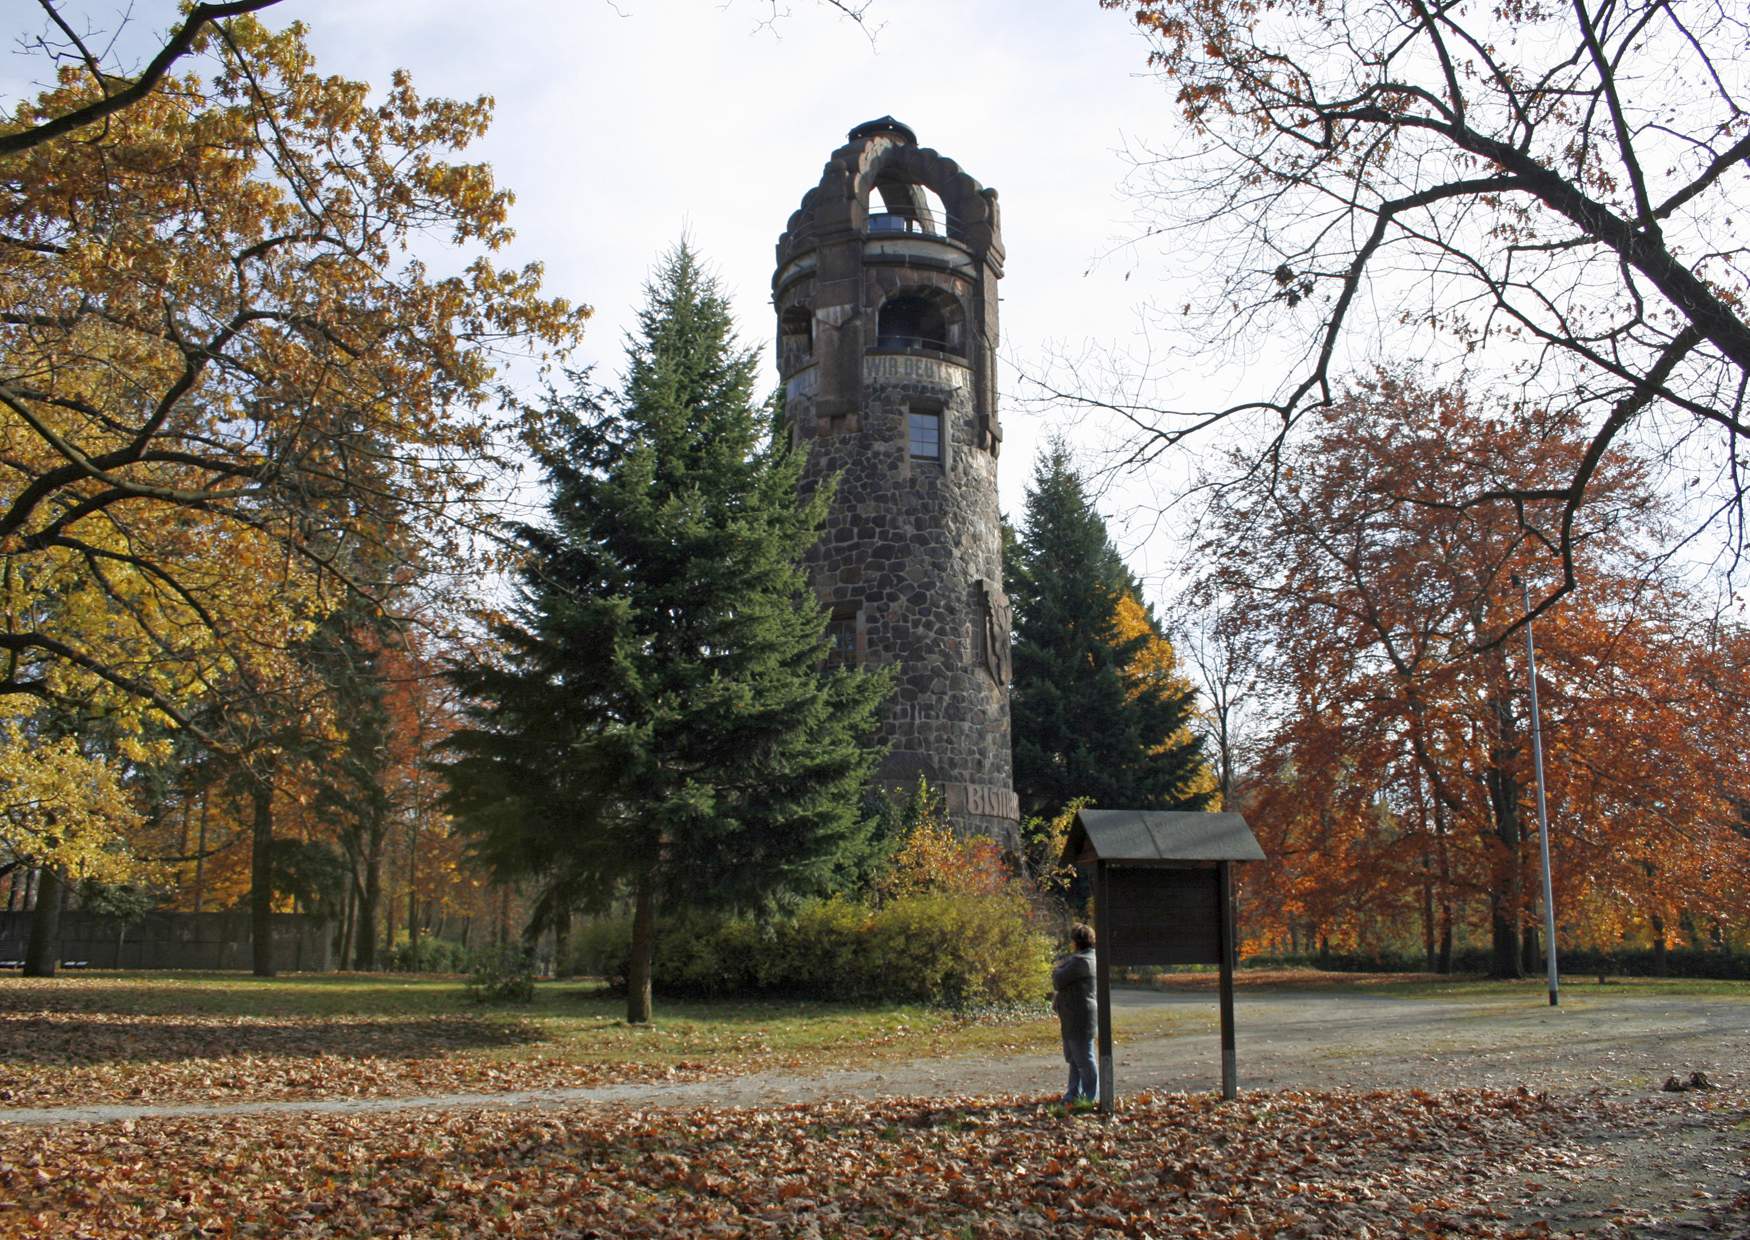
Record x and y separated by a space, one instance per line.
619 133
622 126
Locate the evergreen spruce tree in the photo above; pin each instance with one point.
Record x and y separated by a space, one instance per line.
1087 719
663 720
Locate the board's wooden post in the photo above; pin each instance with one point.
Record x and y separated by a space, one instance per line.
1229 1063
1103 986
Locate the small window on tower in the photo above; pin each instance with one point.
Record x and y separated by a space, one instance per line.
924 433
843 645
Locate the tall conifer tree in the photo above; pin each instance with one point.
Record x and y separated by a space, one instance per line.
1087 718
663 720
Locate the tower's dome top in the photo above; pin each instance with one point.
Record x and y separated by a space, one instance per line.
883 156
885 124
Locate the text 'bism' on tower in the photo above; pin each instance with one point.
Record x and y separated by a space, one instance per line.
886 292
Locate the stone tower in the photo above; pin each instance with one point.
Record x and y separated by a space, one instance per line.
886 293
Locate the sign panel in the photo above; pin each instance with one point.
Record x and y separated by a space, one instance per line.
1160 916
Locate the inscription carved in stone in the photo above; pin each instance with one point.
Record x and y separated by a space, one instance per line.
897 368
982 800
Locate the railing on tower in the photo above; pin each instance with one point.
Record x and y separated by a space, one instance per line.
927 224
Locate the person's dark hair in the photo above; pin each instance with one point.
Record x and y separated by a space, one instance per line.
1082 936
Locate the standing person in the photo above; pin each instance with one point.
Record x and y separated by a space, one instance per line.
1072 982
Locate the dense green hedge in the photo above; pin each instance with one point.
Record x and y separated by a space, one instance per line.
956 950
1621 962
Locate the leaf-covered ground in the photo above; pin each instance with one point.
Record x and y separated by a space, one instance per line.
61 1060
1284 1164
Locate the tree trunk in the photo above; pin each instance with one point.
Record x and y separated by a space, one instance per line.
390 908
1427 919
1691 930
348 911
200 851
562 944
643 952
365 919
261 871
415 821
1661 960
1443 856
1529 959
413 900
1506 893
1504 924
42 955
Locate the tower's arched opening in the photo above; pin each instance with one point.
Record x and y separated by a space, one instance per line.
908 207
921 318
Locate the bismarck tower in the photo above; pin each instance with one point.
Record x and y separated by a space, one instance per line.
886 293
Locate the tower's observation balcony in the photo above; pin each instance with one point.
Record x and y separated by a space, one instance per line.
925 234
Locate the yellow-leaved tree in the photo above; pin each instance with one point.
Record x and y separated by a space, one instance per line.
1154 668
232 395
64 808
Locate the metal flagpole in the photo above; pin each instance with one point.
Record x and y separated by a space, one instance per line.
1549 903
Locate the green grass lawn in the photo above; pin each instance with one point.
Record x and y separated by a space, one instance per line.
170 1036
160 1037
579 1019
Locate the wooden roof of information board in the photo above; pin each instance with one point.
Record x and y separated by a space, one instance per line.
1149 835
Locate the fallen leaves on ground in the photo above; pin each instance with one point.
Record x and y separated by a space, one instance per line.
1290 1164
71 1059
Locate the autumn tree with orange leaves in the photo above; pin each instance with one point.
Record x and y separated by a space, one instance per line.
1395 785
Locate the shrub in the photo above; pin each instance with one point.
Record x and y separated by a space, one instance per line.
823 950
956 950
932 856
503 974
602 948
429 955
708 954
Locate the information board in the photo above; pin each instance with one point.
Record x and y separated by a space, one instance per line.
1163 916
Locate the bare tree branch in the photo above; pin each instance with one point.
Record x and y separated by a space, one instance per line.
177 46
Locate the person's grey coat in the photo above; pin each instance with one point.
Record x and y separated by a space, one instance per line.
1072 981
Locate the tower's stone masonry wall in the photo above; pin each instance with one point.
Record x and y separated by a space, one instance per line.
913 547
